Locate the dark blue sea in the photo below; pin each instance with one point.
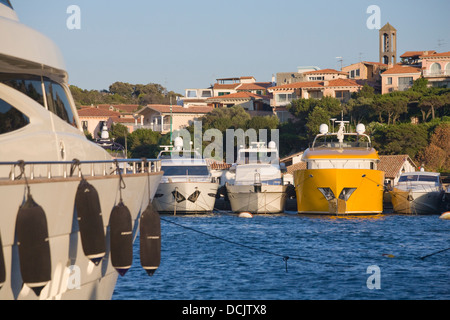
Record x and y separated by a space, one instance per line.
224 257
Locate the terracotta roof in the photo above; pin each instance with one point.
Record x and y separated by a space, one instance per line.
122 120
375 63
129 108
95 112
227 86
217 165
250 86
294 167
325 71
162 108
343 83
442 54
302 84
318 84
401 69
239 95
410 54
392 164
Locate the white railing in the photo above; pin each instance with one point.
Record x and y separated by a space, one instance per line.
94 168
440 73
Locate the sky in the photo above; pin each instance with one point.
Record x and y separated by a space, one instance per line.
184 44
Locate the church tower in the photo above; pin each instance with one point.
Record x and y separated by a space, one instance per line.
388 44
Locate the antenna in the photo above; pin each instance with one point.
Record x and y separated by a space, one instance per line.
340 59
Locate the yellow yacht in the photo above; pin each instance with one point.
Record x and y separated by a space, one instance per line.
341 177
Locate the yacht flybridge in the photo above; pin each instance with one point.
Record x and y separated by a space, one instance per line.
341 175
69 213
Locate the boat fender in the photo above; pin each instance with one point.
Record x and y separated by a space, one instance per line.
2 265
90 222
121 238
33 245
150 239
245 215
445 215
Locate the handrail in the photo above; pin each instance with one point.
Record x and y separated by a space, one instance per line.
136 166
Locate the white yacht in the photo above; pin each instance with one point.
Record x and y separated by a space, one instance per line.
57 189
418 193
257 184
187 185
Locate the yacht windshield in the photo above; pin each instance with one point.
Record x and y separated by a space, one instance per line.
415 177
185 170
6 3
31 86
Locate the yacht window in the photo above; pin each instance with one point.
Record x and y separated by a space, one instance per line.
57 101
428 178
6 3
27 84
185 171
407 178
10 118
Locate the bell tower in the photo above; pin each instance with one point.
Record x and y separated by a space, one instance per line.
388 44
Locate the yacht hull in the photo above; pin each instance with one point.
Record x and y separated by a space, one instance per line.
248 198
73 275
416 202
185 197
367 198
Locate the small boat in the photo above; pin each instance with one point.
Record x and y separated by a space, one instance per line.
257 186
418 193
187 185
341 175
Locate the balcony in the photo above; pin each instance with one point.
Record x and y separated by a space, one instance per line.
436 73
154 127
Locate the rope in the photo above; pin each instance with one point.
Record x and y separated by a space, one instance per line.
122 184
432 254
284 257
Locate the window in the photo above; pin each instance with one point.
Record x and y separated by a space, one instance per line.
84 125
31 86
57 101
192 94
206 94
435 68
6 3
185 171
389 80
317 78
27 84
405 83
223 93
343 95
10 118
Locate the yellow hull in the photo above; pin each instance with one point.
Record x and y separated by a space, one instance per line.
366 198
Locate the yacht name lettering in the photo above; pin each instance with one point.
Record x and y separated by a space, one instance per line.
199 310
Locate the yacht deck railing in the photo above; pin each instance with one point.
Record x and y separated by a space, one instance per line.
65 169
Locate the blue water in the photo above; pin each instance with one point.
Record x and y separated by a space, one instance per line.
329 259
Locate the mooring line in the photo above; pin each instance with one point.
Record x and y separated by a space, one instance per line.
284 257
